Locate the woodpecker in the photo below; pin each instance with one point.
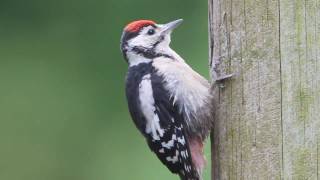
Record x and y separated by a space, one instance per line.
169 102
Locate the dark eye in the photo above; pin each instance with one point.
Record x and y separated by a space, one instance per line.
151 32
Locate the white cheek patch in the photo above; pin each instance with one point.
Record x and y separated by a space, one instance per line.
143 39
163 46
148 108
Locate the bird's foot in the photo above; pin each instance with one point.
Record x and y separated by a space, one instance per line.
221 79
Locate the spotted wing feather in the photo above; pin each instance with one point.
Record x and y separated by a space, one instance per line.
173 148
168 141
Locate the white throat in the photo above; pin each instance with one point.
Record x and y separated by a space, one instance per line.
135 59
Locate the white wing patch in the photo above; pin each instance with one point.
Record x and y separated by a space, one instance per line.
182 140
161 150
148 108
170 143
173 159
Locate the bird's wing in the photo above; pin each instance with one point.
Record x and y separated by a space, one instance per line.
159 120
172 148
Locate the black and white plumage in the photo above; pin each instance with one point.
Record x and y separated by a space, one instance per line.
168 101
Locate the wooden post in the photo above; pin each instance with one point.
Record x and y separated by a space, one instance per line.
267 123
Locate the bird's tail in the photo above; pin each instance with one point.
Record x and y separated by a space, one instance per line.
192 175
198 160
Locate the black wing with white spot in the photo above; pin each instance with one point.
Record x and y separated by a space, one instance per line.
172 148
159 120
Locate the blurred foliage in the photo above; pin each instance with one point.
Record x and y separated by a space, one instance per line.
63 113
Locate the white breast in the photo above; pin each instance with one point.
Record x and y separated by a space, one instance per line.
189 89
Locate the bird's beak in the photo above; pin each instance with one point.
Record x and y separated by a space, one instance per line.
167 28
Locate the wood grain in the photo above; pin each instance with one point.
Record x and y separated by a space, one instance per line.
267 121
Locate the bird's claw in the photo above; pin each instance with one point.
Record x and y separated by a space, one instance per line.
220 79
223 78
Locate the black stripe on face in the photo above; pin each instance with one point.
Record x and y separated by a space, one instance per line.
149 53
126 36
158 42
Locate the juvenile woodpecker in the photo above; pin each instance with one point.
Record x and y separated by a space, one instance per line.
168 101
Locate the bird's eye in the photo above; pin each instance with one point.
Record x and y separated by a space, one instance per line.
151 32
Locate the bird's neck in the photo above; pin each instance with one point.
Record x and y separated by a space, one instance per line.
138 55
135 59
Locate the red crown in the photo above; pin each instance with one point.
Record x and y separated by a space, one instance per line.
137 25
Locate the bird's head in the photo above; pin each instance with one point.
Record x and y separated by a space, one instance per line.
146 38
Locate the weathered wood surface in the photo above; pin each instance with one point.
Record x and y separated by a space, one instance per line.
267 122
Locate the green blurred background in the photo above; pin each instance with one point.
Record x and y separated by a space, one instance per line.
63 112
